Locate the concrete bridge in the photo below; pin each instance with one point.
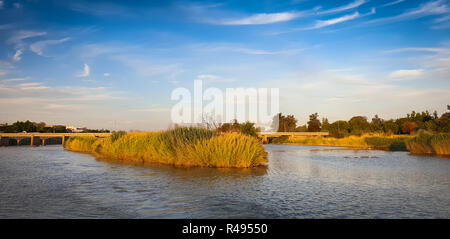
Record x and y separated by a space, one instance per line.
267 136
41 138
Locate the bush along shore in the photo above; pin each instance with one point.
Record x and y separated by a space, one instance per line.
179 147
428 143
422 143
382 142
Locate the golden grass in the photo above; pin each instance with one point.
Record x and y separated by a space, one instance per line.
178 147
378 141
428 143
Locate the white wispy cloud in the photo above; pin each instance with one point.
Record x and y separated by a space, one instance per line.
392 3
406 74
13 80
39 46
325 23
1 5
18 37
442 23
221 47
418 49
16 56
86 71
261 18
438 7
100 9
106 74
349 6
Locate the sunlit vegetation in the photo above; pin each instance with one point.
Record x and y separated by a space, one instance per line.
360 125
428 143
393 142
178 147
246 128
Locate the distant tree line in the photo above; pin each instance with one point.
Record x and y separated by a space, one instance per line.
247 128
359 125
28 126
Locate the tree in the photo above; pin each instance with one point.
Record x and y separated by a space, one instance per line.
286 123
359 125
339 129
314 124
390 127
302 128
325 124
409 127
248 128
376 124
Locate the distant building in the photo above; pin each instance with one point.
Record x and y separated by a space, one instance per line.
76 129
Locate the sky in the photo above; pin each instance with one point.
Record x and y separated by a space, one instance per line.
114 64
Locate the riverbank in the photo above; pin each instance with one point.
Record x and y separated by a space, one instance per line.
422 143
391 143
179 147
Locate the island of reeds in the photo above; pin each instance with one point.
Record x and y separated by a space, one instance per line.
179 147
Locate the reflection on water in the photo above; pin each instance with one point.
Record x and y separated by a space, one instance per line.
300 182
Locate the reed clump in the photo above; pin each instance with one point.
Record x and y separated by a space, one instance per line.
179 147
429 143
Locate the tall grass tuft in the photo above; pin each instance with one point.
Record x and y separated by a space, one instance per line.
428 143
179 147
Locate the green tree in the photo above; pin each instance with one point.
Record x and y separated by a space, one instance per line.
339 129
286 123
390 127
248 128
359 125
376 125
314 124
325 124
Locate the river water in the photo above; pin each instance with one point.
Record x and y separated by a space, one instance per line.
300 182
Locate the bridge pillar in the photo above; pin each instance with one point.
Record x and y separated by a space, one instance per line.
63 140
18 141
43 142
32 141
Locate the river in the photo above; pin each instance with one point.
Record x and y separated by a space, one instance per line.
300 182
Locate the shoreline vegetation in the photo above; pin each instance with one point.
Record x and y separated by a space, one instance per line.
187 147
418 132
423 143
368 141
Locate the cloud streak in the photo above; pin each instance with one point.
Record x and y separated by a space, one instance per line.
18 37
39 46
349 6
438 7
261 18
406 74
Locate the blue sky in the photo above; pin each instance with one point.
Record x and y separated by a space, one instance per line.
114 64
